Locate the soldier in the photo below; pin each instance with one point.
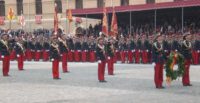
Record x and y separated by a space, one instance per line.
63 51
123 49
5 54
55 57
19 52
145 50
46 47
33 47
92 46
100 53
166 46
28 47
109 49
116 52
158 59
138 51
196 50
131 49
77 51
70 44
85 49
187 53
38 49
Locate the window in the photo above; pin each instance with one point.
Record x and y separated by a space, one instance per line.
59 5
38 6
150 1
2 8
100 3
79 4
19 7
124 2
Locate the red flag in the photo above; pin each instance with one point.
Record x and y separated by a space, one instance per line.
38 19
22 20
2 18
114 24
105 22
56 20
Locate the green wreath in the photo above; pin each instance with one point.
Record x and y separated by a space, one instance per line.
172 74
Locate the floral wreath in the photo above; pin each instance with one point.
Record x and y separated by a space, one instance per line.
172 74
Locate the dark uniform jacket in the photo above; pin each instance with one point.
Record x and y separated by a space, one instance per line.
63 47
54 51
132 45
158 56
85 46
186 49
38 46
4 48
19 48
46 46
109 49
100 54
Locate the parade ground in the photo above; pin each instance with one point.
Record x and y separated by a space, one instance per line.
132 83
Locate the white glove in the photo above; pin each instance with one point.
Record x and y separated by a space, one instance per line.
85 50
116 50
108 58
72 50
79 50
139 50
38 50
147 50
153 64
165 50
47 50
198 51
18 56
52 59
176 50
61 55
2 56
99 61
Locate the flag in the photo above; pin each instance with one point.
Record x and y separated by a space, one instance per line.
56 20
114 24
69 15
22 19
2 20
10 15
105 22
38 19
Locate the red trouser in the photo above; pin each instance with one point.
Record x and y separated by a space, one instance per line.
137 56
33 53
130 56
122 53
37 55
158 76
84 56
29 55
92 56
77 56
12 55
110 66
70 56
6 65
55 68
101 70
64 62
196 58
20 60
45 55
144 57
186 76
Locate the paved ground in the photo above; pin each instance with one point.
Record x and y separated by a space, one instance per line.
131 84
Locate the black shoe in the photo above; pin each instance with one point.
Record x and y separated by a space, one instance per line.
187 84
57 78
162 87
66 72
102 81
6 75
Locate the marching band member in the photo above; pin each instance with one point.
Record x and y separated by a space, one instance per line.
5 54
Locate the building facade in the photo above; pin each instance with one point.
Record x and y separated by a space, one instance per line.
40 13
